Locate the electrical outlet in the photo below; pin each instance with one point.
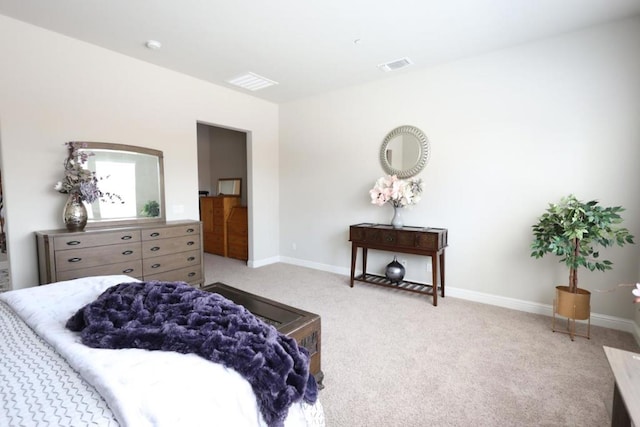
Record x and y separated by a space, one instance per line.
293 246
403 262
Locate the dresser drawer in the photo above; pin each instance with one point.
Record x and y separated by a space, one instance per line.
238 252
175 245
78 241
408 237
133 269
214 244
151 234
75 259
235 239
187 274
164 263
238 231
155 248
218 213
217 202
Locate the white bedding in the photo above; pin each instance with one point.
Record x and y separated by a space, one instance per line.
145 388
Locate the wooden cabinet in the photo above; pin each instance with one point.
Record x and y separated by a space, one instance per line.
214 213
169 251
238 235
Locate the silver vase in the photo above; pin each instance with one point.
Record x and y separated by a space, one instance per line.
395 271
74 213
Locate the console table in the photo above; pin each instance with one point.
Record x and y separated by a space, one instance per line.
625 366
424 241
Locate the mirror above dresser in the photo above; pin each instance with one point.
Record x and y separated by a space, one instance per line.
229 187
135 175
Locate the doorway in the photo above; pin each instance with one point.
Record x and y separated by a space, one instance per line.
222 155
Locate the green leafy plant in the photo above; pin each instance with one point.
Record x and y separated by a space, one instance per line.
573 230
151 209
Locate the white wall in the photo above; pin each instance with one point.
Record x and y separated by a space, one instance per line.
55 89
228 158
204 161
510 132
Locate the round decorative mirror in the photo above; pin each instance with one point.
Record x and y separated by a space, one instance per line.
404 152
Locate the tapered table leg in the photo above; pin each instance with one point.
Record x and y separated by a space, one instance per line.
354 255
434 278
442 273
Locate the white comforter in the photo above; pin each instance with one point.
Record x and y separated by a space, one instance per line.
145 388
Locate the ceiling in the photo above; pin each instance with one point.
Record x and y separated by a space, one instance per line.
309 46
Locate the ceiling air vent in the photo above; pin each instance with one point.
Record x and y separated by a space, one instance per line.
395 65
251 81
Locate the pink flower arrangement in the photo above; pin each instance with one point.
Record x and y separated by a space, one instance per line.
398 192
636 293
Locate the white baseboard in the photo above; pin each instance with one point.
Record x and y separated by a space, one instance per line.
316 266
263 262
636 332
603 320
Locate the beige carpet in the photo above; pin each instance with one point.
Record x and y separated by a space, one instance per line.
392 359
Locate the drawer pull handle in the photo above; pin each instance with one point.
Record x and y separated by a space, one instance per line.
191 274
127 237
75 259
128 270
155 266
73 243
155 248
191 243
127 252
156 234
191 258
190 230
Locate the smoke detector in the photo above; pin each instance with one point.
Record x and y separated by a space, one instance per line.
395 65
153 44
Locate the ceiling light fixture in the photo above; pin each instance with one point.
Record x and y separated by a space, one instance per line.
251 81
396 64
153 44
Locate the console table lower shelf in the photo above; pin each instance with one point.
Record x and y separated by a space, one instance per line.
405 285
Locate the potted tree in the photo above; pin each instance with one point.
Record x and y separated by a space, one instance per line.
573 230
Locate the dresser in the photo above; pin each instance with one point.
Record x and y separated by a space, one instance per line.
237 234
426 241
170 251
214 213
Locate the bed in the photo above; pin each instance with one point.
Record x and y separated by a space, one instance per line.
49 377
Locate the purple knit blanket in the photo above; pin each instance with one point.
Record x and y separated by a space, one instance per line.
174 316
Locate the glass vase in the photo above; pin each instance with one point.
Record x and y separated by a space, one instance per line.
74 213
